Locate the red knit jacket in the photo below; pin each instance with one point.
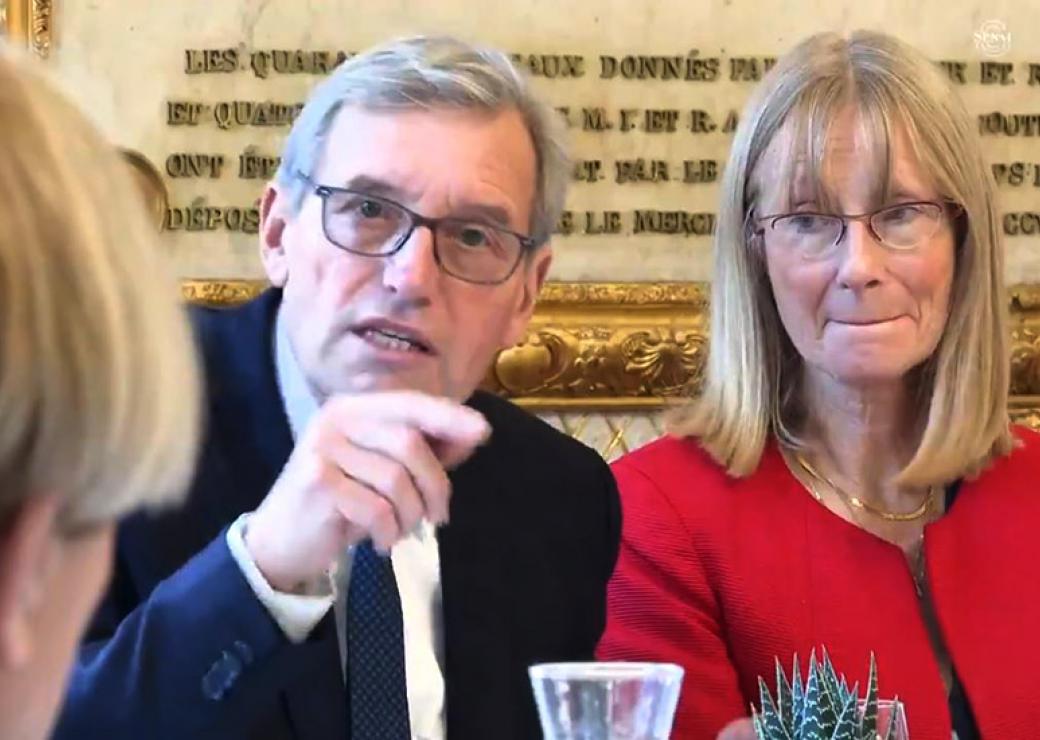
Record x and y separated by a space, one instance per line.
720 575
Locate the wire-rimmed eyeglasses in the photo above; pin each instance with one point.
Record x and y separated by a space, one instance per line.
375 226
902 226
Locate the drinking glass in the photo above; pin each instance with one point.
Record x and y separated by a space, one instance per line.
891 714
606 701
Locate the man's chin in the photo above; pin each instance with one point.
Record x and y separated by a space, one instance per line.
385 381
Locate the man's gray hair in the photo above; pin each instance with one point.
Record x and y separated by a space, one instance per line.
428 73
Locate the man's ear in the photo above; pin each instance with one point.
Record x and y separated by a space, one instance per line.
274 205
535 274
26 551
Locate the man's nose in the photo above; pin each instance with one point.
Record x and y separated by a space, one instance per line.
413 268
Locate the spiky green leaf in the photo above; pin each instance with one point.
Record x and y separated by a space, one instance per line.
868 724
784 699
757 723
769 715
847 726
819 715
830 678
797 696
853 694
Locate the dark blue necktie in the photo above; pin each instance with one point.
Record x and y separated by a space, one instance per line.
376 690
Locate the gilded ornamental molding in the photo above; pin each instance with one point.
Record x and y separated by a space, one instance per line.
1025 354
629 346
29 22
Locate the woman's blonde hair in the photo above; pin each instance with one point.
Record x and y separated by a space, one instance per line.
99 388
753 386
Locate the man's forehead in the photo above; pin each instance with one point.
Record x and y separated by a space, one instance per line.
474 156
351 122
428 135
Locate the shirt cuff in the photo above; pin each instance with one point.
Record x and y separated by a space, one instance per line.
296 614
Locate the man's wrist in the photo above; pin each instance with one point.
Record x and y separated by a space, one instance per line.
296 613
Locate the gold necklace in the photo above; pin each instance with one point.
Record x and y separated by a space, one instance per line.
858 503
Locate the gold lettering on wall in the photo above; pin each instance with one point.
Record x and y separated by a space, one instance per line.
253 160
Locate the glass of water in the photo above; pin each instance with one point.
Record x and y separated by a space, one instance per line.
606 701
891 719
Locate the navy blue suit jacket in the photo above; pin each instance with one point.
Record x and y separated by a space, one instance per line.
181 648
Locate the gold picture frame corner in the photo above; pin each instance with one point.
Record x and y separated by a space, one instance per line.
29 23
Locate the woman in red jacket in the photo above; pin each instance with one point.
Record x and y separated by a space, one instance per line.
848 478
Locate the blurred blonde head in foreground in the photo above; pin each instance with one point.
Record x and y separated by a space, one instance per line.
98 383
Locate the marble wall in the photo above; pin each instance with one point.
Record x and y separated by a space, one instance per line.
125 61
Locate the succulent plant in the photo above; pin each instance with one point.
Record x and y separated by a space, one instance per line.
825 708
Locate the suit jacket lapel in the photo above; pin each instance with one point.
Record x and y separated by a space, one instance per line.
250 424
251 428
249 421
475 590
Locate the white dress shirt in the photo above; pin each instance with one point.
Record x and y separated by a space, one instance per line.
416 562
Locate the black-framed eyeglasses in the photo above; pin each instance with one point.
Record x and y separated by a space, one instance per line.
902 226
374 226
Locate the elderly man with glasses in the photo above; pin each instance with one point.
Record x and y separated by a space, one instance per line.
372 548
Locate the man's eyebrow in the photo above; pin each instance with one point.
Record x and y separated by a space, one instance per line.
492 214
375 186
